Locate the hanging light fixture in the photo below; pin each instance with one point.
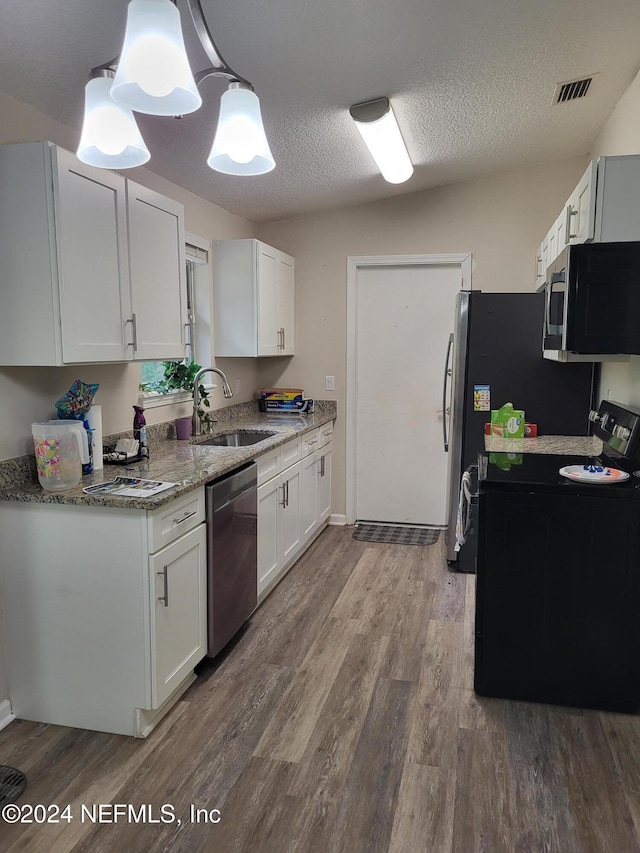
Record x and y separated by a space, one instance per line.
152 76
379 129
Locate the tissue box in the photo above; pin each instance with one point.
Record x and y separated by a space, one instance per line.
507 422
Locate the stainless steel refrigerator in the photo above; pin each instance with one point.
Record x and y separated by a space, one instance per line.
495 357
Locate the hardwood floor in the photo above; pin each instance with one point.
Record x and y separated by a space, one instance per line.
343 720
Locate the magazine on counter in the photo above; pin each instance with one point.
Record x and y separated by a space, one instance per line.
130 487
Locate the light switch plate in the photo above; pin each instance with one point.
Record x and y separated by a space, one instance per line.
329 383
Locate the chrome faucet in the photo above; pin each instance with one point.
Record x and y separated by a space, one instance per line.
195 419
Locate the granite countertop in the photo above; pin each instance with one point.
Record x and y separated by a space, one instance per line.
189 464
561 445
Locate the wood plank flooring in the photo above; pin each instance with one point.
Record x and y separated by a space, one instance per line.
343 720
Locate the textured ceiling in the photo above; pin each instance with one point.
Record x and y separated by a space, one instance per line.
471 84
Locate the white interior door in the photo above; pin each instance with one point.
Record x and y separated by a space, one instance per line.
404 314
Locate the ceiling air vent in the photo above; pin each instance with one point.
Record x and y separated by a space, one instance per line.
572 89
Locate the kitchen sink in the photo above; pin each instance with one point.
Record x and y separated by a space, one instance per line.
238 439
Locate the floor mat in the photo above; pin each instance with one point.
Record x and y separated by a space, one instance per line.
12 784
397 534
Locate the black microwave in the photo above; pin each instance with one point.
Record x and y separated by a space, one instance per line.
592 299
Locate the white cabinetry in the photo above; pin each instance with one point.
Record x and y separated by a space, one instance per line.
316 482
324 483
103 629
88 261
158 274
177 584
602 208
294 502
279 524
253 292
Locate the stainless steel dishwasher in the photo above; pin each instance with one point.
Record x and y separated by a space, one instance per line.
232 554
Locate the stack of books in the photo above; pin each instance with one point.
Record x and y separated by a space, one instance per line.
284 400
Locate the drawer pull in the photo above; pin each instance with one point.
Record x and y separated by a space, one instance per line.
187 515
165 597
311 443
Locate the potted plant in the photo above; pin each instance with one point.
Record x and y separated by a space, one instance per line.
179 376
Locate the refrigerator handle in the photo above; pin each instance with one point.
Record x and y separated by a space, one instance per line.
448 371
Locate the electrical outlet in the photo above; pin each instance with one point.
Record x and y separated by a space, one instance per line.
237 384
329 383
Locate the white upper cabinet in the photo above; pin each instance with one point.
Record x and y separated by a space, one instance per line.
602 208
91 265
581 206
253 296
158 274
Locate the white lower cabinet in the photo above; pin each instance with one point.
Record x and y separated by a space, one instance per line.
309 495
178 587
315 504
279 528
294 504
324 483
105 610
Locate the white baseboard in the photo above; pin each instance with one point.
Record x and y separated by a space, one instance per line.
6 714
337 519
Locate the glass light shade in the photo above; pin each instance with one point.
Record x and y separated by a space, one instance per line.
110 137
384 140
153 73
240 145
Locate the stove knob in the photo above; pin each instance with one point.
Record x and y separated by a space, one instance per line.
594 416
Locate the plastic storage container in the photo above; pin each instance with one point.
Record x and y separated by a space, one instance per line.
59 453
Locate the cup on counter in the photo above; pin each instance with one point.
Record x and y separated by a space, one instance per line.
183 428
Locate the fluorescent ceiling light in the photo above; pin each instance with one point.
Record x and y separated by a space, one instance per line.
379 129
152 76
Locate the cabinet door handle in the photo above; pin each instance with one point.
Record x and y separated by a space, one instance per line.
287 493
322 458
283 337
184 517
567 228
134 331
165 597
283 502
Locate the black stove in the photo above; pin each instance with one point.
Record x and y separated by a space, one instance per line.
558 575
